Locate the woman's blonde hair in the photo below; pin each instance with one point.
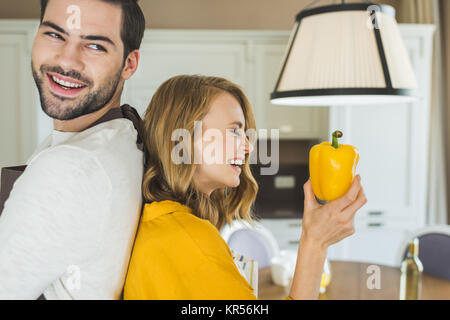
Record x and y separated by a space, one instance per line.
177 103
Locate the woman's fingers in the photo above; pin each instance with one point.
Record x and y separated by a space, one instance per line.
310 200
348 198
349 212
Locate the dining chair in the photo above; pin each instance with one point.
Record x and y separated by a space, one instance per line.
434 249
253 242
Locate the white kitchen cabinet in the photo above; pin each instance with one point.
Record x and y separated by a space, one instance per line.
372 243
293 123
18 123
286 231
161 61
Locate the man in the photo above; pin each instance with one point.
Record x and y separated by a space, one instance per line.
69 224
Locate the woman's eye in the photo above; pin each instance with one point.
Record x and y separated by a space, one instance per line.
237 131
97 47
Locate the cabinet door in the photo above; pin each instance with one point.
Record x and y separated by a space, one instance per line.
161 61
378 246
293 122
17 113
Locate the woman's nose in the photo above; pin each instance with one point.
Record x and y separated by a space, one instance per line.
248 146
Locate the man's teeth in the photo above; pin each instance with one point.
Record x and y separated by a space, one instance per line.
66 84
236 162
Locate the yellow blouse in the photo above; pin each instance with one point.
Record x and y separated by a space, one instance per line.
180 256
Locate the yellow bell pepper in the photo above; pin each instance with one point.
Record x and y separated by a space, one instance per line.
332 168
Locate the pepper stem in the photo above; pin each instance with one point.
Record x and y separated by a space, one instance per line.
337 134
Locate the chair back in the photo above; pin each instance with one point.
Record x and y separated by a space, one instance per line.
256 243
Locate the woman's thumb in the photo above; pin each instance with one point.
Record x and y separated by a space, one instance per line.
310 200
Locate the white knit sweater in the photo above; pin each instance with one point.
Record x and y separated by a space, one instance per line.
68 227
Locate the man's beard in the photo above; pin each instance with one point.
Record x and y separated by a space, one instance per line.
92 102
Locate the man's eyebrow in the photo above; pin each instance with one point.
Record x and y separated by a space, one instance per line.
88 37
54 26
237 123
98 38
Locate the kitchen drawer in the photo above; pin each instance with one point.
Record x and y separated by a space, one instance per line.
394 212
289 243
287 232
282 226
380 223
382 246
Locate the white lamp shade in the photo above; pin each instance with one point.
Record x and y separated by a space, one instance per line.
345 54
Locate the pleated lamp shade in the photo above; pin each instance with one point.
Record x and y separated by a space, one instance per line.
345 54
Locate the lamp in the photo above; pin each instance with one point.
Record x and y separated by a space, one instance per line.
345 54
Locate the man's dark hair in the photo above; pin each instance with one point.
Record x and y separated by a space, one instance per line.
133 23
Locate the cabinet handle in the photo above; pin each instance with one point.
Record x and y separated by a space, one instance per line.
294 224
293 241
375 224
376 213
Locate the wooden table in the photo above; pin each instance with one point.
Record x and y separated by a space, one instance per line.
349 282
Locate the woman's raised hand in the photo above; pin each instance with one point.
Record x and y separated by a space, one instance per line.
327 224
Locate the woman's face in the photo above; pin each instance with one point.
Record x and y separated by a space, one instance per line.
222 145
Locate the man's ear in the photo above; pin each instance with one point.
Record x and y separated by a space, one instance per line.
131 64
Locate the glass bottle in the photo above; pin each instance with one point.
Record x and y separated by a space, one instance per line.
411 273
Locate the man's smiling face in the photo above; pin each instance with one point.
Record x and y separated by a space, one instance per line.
77 60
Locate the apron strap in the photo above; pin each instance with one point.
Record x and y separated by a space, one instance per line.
124 112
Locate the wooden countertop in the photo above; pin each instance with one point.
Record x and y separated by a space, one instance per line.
349 282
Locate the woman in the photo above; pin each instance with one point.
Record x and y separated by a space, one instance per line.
196 184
